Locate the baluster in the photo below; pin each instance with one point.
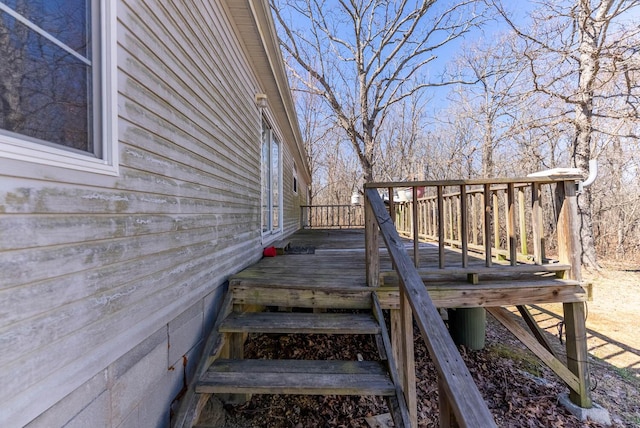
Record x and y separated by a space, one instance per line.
522 221
486 196
496 223
474 218
434 217
450 216
536 223
414 221
441 236
458 219
511 225
463 218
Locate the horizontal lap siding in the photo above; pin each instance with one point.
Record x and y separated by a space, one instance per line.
291 200
91 269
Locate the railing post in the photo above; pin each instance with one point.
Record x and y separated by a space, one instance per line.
372 254
574 313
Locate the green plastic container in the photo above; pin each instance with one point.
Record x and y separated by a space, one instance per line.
467 327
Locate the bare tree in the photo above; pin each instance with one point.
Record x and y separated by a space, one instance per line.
13 38
364 56
315 127
493 103
401 138
575 48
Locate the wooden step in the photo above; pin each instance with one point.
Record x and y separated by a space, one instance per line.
303 323
281 246
303 377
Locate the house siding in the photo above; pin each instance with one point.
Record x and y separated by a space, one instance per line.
110 284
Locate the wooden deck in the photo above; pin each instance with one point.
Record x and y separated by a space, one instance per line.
326 269
373 270
338 265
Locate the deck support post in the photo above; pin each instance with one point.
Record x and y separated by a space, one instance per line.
446 416
372 254
574 313
234 349
403 352
577 354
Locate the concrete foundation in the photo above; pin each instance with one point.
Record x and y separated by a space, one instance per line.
596 413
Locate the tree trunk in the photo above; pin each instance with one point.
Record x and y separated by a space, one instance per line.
487 150
588 64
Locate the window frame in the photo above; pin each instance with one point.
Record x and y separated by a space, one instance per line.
104 159
271 228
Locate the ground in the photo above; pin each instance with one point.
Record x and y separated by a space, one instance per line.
519 390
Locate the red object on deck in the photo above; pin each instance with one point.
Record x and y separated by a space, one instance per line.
269 252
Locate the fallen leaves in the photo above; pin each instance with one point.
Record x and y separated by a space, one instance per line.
515 396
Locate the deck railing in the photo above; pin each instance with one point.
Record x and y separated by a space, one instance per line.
466 214
332 216
504 219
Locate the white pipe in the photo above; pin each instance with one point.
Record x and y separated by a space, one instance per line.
593 173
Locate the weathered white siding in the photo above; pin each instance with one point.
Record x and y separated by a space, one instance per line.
108 284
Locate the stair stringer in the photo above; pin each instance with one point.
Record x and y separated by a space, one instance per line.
397 404
191 402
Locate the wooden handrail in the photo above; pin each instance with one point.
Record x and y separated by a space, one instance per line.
467 404
476 181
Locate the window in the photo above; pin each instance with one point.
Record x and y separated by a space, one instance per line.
55 93
295 179
271 181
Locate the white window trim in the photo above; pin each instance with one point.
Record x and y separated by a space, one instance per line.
280 187
272 234
16 148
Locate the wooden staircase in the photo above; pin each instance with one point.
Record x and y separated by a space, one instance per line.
227 372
